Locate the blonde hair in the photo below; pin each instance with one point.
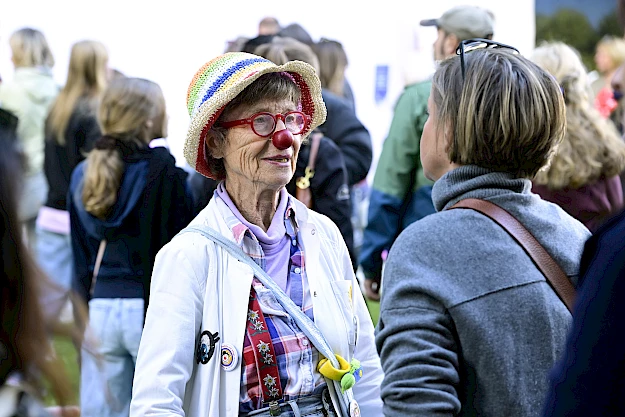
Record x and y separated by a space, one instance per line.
332 65
506 115
615 49
281 50
86 79
29 48
591 148
128 107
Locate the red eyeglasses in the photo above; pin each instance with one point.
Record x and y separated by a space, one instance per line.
264 124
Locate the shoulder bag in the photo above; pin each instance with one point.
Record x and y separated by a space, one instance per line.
302 190
556 277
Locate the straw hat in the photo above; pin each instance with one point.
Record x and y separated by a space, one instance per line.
222 79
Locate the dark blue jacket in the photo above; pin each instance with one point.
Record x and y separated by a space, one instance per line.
153 204
590 379
351 136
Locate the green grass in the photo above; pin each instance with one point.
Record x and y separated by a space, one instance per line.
66 351
374 310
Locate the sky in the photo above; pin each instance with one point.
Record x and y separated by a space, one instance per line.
594 9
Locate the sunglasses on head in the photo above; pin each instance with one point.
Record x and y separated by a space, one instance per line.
469 45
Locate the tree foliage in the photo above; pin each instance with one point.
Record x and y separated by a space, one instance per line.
609 25
573 28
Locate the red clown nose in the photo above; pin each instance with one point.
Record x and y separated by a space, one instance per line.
282 139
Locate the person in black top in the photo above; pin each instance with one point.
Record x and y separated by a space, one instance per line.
71 129
125 201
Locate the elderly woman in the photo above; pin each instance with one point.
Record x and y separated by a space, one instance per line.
469 325
254 308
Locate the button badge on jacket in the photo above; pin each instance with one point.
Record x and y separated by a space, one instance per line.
229 357
206 346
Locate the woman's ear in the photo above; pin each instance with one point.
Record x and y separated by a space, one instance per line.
213 145
451 44
448 138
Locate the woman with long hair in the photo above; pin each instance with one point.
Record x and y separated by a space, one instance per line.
126 200
71 130
29 96
26 355
583 177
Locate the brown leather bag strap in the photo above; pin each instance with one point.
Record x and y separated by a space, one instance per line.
315 139
545 263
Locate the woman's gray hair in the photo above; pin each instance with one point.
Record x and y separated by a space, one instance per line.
507 114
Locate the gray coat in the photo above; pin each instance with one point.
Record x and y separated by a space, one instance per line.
468 324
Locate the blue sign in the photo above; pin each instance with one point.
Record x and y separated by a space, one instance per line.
381 82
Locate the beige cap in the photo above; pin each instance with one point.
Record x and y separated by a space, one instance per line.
465 22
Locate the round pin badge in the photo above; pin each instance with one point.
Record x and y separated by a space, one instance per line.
354 410
229 357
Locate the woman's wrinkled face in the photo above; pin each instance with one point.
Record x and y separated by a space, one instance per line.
251 160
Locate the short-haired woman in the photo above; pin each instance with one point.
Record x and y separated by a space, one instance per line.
469 325
126 201
29 96
583 176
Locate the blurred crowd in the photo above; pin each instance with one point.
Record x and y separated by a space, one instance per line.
469 322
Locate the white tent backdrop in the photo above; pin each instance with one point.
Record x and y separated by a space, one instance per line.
168 43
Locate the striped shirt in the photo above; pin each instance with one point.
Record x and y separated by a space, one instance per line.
296 357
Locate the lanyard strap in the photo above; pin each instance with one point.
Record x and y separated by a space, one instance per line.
262 352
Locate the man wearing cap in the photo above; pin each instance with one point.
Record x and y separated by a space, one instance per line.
401 194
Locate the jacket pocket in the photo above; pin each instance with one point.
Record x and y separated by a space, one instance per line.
343 293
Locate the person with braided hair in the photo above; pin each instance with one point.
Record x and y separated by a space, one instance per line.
126 201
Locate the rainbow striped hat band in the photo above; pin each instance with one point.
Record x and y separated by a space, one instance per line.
222 79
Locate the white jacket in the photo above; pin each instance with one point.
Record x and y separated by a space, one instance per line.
197 286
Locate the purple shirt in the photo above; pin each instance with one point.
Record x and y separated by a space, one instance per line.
275 242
